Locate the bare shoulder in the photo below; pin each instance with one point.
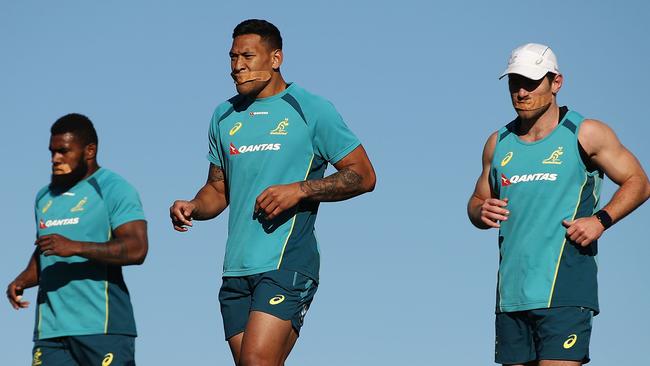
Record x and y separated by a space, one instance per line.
490 145
594 135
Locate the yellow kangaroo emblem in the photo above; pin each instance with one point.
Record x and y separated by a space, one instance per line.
280 130
555 157
108 359
80 205
235 128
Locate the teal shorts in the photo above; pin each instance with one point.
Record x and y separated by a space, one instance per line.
561 333
281 293
101 349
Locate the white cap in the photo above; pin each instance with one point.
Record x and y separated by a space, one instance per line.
532 60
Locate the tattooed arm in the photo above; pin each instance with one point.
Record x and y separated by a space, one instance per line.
355 176
128 245
209 202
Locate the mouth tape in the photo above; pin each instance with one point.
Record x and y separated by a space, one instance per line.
62 169
244 77
532 104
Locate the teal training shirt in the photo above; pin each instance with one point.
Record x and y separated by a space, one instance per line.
545 182
285 138
77 296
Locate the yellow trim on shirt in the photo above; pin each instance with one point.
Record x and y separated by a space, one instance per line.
557 266
293 220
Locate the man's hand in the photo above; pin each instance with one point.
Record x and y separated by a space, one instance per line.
15 295
584 231
56 244
181 215
493 210
277 199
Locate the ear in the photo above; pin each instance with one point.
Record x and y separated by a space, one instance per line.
276 59
90 152
556 84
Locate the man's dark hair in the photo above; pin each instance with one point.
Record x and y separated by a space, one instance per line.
78 125
269 33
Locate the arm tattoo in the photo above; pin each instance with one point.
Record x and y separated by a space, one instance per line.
114 251
215 174
341 185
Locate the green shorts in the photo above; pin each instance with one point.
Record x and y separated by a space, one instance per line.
561 333
281 293
101 349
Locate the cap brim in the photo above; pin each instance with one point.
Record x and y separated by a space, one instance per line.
530 72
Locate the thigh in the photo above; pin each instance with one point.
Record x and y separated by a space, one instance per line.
235 302
104 349
514 343
564 333
284 294
267 340
52 352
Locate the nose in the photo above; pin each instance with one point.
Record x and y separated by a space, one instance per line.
238 64
56 158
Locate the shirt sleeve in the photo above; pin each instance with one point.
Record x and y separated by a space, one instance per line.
333 140
215 154
124 204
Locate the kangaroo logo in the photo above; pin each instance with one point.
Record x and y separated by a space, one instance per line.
280 130
80 205
555 157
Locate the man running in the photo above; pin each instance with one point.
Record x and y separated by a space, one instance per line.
268 150
540 187
89 223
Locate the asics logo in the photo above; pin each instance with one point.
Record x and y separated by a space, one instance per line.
108 359
276 299
570 341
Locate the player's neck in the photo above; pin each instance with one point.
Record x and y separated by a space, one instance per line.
535 129
276 85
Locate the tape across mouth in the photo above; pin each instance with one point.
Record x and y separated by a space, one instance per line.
245 77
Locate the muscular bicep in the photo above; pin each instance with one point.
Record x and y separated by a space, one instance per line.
607 153
133 236
483 189
357 168
217 182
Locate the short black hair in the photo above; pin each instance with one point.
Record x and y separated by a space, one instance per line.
269 33
78 125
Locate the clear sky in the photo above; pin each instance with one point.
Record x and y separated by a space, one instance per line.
405 278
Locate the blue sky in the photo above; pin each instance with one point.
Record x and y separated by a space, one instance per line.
405 279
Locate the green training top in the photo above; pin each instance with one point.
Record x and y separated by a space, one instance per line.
77 296
545 182
285 138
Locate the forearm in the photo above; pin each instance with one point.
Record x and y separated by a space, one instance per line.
344 184
474 212
117 252
630 195
29 277
208 203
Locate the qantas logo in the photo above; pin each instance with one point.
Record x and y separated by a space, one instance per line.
505 181
253 148
60 222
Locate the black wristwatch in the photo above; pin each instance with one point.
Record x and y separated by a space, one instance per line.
604 219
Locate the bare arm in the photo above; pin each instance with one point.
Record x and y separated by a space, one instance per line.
128 245
209 202
355 176
618 163
484 209
26 279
